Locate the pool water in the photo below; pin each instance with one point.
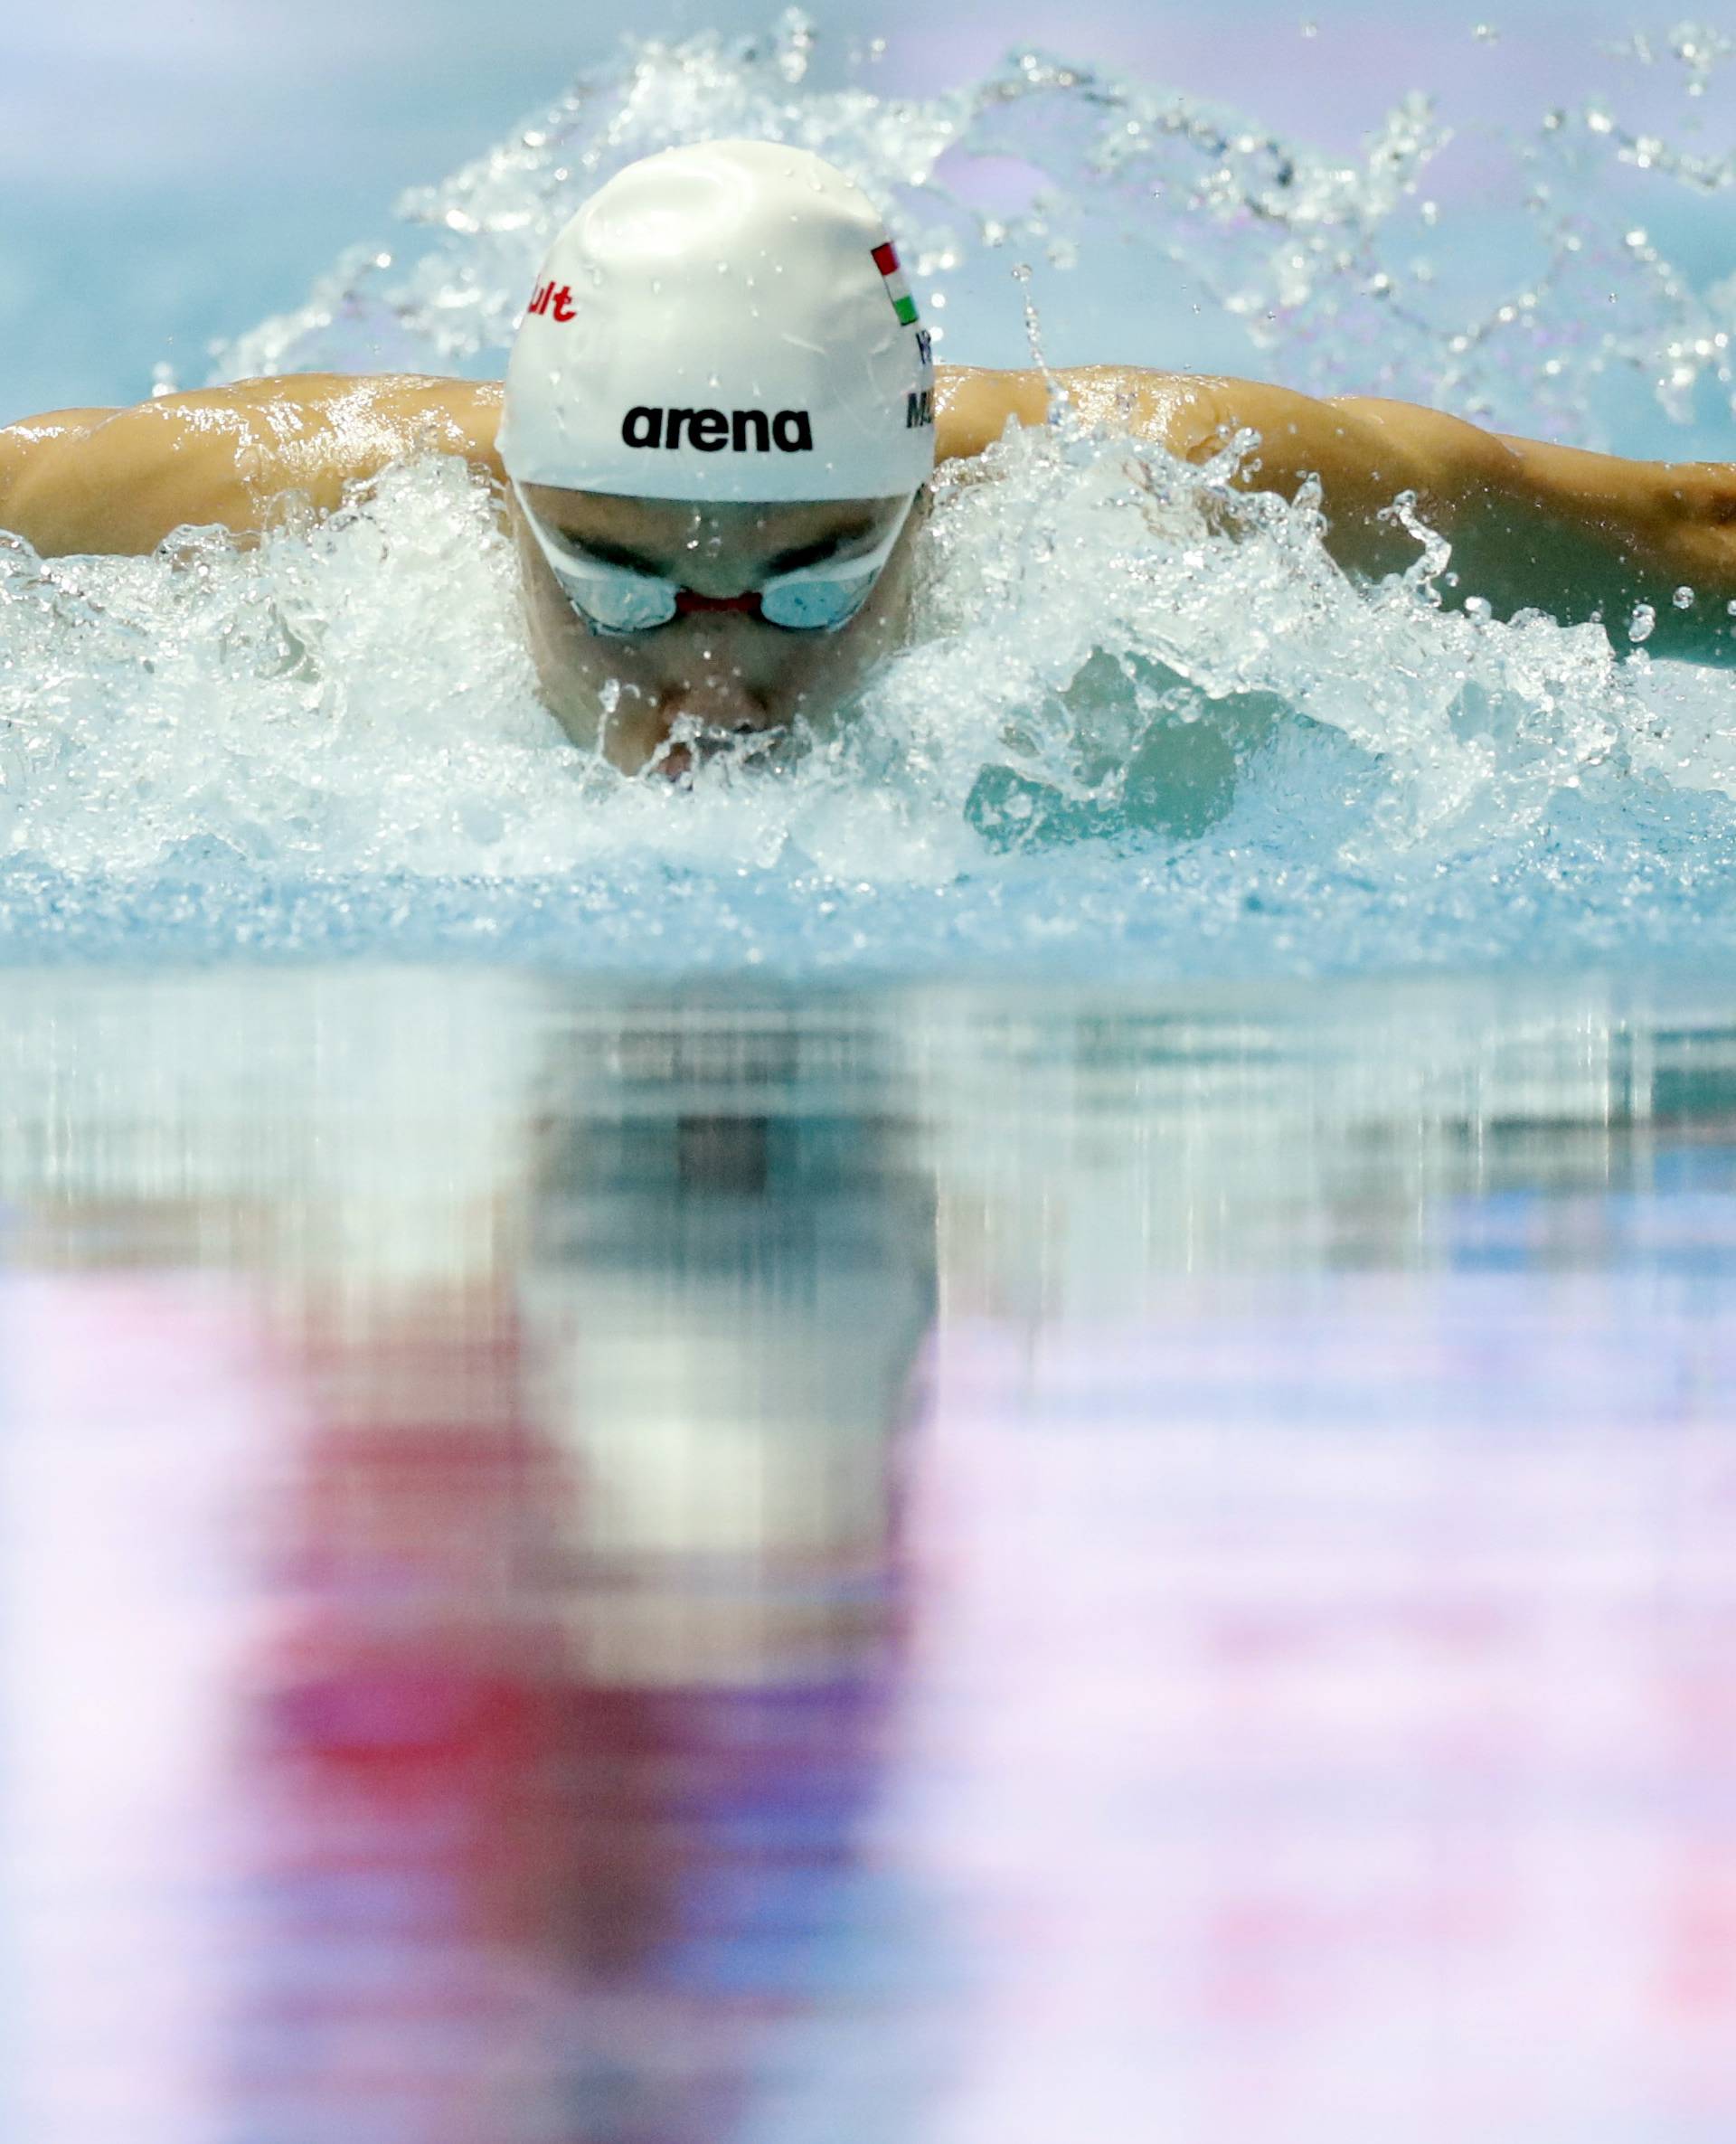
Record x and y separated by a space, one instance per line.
1144 726
616 1564
1019 1424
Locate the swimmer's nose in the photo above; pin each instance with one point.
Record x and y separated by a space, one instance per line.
723 710
688 600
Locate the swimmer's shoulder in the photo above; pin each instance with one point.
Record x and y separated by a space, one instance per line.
429 412
235 454
369 417
973 405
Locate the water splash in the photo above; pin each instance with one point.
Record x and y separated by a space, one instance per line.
1143 723
1508 274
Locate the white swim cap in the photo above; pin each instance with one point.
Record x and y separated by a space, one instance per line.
726 321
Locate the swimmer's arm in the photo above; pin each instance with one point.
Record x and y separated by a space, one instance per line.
120 480
1581 536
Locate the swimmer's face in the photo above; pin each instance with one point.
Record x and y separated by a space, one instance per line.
721 673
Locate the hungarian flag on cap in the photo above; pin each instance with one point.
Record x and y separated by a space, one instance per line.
897 288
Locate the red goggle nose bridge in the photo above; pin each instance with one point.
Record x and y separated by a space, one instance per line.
687 600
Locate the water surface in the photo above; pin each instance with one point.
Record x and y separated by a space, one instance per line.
628 1565
1144 727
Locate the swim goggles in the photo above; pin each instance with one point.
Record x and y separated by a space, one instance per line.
613 599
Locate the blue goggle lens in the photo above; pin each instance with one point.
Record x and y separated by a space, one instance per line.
616 600
816 606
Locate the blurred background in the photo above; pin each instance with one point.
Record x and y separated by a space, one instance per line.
172 176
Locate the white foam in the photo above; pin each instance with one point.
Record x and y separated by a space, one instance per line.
1144 722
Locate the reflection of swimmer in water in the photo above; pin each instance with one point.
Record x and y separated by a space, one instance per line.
719 409
587 1609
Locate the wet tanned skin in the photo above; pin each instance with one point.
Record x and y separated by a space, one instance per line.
1581 536
726 673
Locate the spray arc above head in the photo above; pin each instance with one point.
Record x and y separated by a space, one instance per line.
725 321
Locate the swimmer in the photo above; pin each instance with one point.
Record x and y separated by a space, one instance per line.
714 442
